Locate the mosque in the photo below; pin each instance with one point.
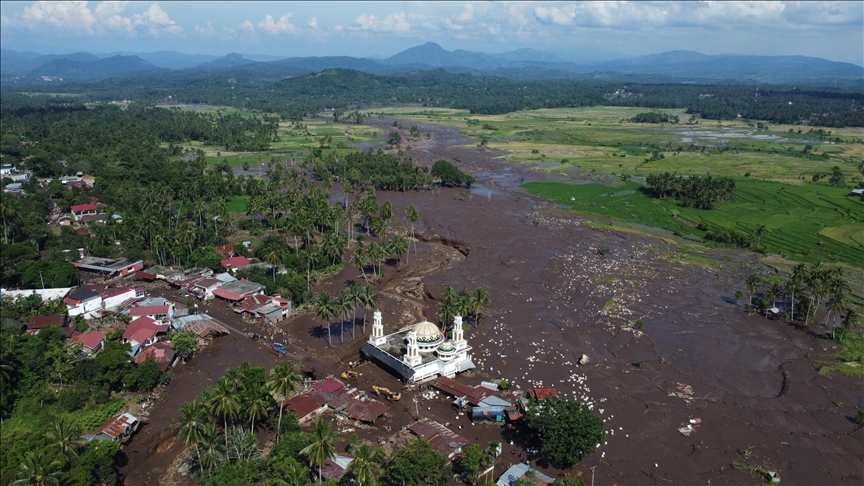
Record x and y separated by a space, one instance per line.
419 352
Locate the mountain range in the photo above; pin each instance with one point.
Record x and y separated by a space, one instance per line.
669 67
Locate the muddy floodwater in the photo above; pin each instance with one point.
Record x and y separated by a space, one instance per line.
746 386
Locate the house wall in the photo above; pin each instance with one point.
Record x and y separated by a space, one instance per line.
116 300
131 269
85 307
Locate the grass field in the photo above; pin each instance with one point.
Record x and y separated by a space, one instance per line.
806 223
237 204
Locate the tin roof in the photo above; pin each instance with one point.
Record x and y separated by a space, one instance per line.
90 339
453 387
541 393
306 403
442 439
117 425
40 322
329 385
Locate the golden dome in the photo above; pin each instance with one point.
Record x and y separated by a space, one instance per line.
427 332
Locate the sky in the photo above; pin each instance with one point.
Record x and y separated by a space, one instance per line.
831 30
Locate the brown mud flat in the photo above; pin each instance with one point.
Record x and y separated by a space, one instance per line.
751 381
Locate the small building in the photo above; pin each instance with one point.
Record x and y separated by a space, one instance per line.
235 262
855 192
225 250
83 210
518 471
238 290
161 352
64 221
41 322
14 323
14 187
307 405
155 312
541 393
203 288
118 297
86 219
83 302
140 332
91 342
45 294
335 468
262 306
6 169
109 266
445 442
201 324
118 427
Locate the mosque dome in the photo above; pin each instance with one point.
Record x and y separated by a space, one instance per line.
428 333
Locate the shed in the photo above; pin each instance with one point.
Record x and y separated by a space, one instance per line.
118 427
517 471
41 322
443 440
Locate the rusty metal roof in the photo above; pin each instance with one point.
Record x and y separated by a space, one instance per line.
442 439
117 426
306 403
453 387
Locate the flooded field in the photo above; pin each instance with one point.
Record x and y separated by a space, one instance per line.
751 382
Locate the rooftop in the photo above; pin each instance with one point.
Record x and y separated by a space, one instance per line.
40 322
443 440
90 339
517 471
104 264
117 425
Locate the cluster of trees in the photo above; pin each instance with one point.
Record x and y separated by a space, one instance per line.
450 175
383 171
806 289
568 430
345 304
226 452
703 192
463 303
654 117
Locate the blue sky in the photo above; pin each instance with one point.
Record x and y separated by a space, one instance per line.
833 30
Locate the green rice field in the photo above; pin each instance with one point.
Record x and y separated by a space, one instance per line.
803 222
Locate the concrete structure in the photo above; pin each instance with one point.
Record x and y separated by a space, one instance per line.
45 294
82 210
420 352
238 290
83 302
109 266
118 297
139 333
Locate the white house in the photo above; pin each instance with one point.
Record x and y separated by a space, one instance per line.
116 297
83 302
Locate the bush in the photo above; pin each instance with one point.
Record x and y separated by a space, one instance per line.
570 431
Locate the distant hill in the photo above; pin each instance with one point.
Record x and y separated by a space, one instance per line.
522 64
90 70
229 61
735 67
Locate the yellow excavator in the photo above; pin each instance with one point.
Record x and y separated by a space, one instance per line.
386 391
349 374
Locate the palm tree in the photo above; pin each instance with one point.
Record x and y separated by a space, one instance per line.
322 447
776 290
376 252
370 301
366 464
257 402
343 308
480 299
446 312
6 211
325 308
211 450
65 437
412 215
837 305
753 282
35 470
355 293
398 246
849 320
274 260
360 258
796 282
192 420
463 303
224 403
284 379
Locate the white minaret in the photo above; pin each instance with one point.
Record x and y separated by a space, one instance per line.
377 338
459 341
412 355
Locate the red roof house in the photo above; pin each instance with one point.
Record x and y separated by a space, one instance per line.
541 393
92 341
225 250
161 352
41 322
153 311
141 331
235 262
307 405
84 208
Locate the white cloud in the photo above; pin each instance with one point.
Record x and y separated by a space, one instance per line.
467 13
156 21
338 28
272 27
824 13
248 27
77 17
313 23
396 23
556 15
207 31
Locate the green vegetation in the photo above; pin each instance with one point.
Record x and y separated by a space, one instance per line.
450 175
798 221
654 117
570 431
